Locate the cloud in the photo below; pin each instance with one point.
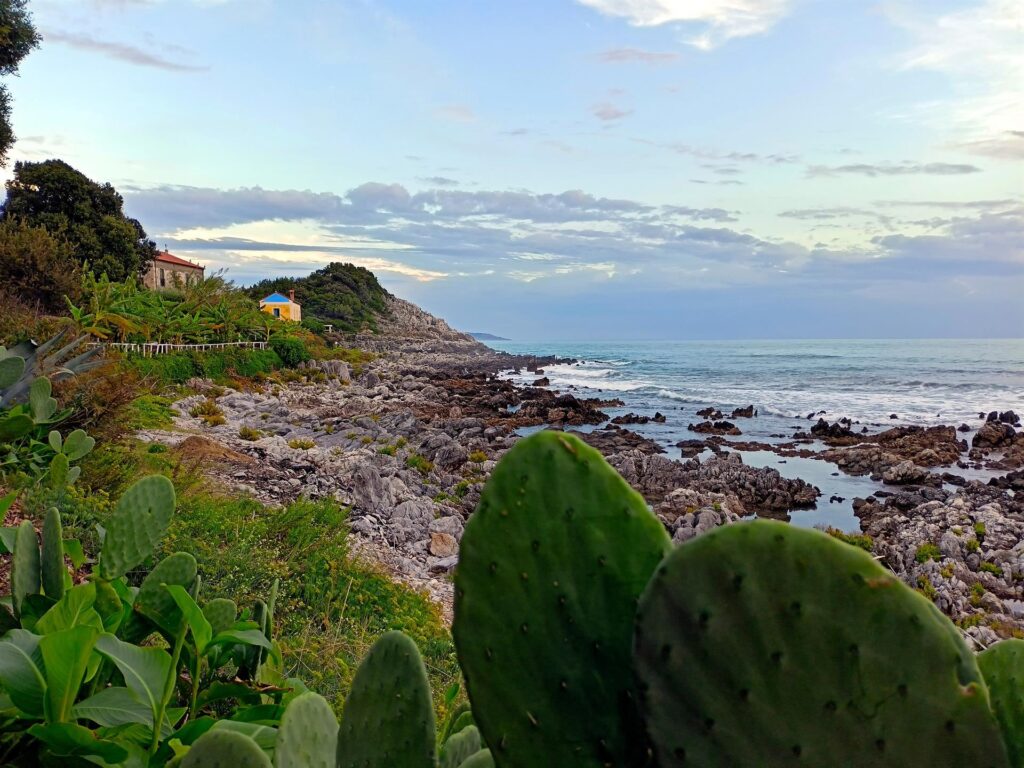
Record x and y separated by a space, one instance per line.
439 181
119 51
720 20
906 168
636 55
824 214
608 111
457 113
980 50
1008 145
705 153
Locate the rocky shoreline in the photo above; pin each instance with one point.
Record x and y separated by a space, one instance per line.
408 443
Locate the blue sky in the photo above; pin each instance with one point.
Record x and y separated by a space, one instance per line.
589 169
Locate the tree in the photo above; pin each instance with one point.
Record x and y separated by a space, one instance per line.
17 38
90 216
37 267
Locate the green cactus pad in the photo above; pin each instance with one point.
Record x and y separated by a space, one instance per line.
308 734
221 613
481 759
221 748
24 566
460 747
389 718
1002 665
11 369
137 525
552 565
154 602
52 566
761 644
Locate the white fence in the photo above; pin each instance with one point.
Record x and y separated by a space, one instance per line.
153 349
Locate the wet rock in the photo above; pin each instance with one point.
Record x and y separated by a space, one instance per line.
744 413
715 428
904 473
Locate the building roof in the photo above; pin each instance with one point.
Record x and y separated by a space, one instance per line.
169 258
277 298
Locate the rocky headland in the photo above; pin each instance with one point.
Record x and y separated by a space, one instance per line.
408 441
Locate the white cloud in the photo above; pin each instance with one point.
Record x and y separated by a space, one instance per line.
721 19
981 50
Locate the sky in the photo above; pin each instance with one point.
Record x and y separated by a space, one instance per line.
568 169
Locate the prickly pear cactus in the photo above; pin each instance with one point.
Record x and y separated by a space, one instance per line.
221 613
552 565
137 525
1002 665
308 734
24 566
481 759
389 718
225 749
761 644
52 566
154 602
461 747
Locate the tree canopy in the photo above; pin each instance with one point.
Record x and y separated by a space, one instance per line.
343 294
17 38
90 216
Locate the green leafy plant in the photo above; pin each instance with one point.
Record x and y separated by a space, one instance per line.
420 463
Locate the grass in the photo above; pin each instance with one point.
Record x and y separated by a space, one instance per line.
977 592
387 450
301 444
331 606
420 464
478 457
972 545
149 412
220 365
992 568
208 411
250 434
927 552
859 540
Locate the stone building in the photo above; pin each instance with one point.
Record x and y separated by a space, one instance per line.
168 272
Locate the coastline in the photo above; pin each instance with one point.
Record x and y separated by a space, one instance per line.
409 442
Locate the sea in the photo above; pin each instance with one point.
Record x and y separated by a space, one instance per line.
876 383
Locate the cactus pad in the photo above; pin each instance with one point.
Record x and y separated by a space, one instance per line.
24 566
389 718
1003 668
552 565
221 613
308 734
461 747
137 525
154 602
764 644
221 748
52 566
481 759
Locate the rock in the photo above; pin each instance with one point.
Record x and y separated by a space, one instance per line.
993 434
543 381
715 428
710 413
1009 417
963 428
744 413
410 521
443 545
904 473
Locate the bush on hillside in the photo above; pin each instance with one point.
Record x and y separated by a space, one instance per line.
219 365
40 266
291 350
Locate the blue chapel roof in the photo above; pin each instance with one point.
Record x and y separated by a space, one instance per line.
276 298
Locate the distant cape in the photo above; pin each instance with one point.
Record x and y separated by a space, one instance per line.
487 336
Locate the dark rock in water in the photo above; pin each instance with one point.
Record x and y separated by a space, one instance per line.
743 413
993 434
658 417
949 477
963 428
824 429
543 381
710 413
691 448
632 418
613 439
836 499
1008 417
715 428
893 416
992 416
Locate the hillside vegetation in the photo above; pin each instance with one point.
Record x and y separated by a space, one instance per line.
347 296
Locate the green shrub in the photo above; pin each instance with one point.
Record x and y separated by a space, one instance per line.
149 412
972 545
387 450
301 444
420 464
209 412
250 434
292 351
179 367
927 552
989 567
977 592
478 457
860 540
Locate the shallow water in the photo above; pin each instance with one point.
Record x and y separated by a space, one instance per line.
924 382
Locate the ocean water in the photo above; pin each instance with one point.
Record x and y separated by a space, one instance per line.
925 382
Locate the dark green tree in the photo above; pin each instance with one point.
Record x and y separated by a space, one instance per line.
17 37
37 267
343 294
90 216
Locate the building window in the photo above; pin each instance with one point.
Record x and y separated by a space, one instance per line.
277 311
163 279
